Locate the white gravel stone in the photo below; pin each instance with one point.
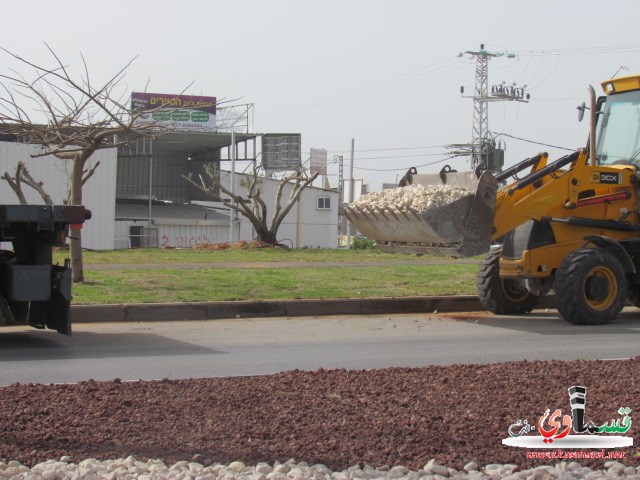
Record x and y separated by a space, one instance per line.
49 474
263 468
236 467
323 469
179 465
131 469
416 197
573 466
616 468
208 476
435 469
566 476
471 466
593 476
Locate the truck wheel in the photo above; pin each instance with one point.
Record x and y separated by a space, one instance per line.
591 287
502 296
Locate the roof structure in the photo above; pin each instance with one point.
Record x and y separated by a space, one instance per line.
197 142
138 209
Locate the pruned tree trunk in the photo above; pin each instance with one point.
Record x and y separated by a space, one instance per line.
256 212
269 237
23 176
75 234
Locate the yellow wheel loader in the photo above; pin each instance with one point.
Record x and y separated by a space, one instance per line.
571 226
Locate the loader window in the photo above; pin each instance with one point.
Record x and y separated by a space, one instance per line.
618 140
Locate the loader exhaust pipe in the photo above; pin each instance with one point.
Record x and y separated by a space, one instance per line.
592 126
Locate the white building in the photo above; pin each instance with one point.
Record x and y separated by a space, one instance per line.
138 196
311 223
99 194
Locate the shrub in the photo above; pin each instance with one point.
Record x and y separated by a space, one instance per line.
362 243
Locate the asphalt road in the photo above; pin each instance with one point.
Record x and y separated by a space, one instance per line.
133 351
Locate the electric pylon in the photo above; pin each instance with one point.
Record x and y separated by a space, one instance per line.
481 146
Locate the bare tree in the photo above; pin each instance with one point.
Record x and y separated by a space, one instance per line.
23 176
255 210
70 117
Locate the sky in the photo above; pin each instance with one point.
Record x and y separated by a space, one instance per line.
384 73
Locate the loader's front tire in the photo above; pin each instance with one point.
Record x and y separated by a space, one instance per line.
591 287
502 296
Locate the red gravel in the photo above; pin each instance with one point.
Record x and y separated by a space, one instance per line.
395 416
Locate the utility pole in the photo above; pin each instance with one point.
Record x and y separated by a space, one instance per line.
481 146
339 160
351 193
232 185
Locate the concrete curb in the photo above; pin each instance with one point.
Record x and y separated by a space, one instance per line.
157 312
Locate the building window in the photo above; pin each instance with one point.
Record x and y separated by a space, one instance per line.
324 203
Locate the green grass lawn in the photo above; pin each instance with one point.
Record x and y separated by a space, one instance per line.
352 280
159 256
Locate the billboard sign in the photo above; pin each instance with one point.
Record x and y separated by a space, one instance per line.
281 151
318 161
186 113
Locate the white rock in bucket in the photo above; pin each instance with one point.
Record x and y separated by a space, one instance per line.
416 197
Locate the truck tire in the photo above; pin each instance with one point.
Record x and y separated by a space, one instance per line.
502 296
590 286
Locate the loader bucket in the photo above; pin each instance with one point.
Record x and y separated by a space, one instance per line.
462 228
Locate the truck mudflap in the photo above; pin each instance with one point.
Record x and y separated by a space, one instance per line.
462 228
50 309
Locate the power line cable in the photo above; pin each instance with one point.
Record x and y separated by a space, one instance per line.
372 88
604 50
331 150
544 59
531 88
401 156
405 168
498 134
373 84
525 68
344 99
377 105
536 99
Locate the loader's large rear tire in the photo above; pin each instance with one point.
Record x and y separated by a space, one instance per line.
502 296
590 286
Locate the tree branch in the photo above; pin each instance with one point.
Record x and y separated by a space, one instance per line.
293 198
15 186
37 186
23 176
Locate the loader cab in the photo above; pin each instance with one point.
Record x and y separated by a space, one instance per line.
618 123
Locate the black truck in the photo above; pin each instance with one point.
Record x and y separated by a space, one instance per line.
33 291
